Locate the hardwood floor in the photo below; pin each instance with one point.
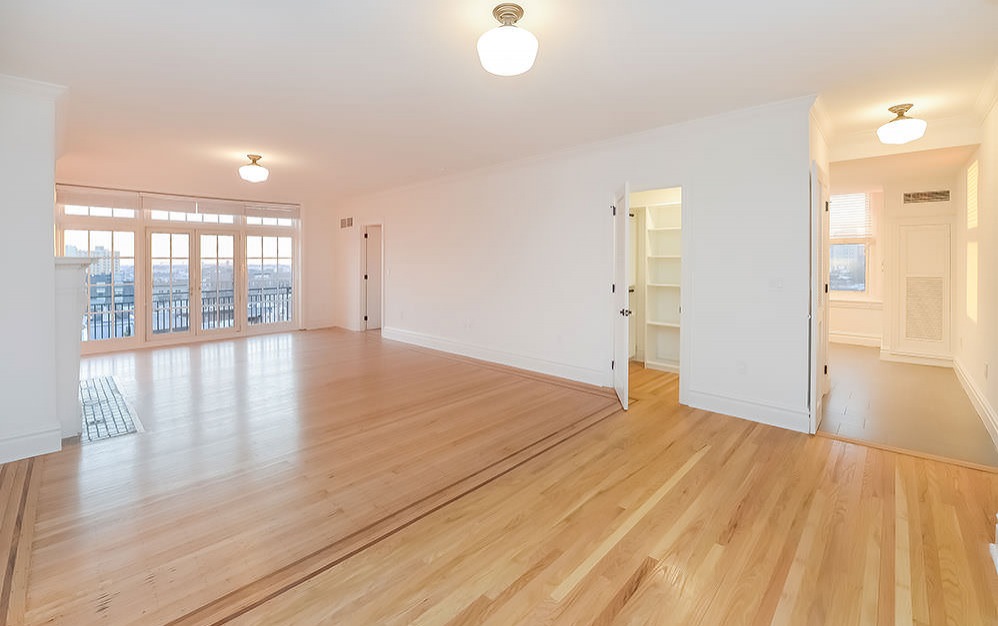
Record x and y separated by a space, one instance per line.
336 478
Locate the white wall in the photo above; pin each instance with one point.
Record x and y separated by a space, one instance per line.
513 263
857 322
28 421
976 345
318 258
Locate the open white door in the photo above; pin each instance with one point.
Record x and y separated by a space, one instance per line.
818 323
372 277
620 208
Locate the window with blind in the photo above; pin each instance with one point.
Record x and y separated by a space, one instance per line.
972 245
850 229
972 175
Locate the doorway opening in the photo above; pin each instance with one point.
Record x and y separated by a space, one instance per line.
901 252
654 282
373 261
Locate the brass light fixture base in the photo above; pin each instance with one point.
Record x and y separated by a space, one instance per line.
900 110
254 158
508 13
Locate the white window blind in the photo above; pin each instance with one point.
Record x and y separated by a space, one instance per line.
849 216
177 204
94 197
972 174
162 206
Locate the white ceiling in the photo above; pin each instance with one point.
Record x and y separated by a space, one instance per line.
343 98
928 165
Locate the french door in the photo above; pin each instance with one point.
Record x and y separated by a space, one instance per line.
194 276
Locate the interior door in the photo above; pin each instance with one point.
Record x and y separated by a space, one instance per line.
817 323
620 209
372 277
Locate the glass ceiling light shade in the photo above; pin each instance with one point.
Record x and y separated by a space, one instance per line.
253 172
901 129
507 50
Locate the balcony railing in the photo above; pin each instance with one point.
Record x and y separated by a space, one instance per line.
107 320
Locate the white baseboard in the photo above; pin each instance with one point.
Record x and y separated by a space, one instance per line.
32 444
560 370
980 401
319 324
799 421
855 339
900 357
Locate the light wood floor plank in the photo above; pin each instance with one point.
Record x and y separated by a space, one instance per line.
337 478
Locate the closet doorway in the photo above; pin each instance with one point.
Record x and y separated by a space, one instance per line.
648 265
655 284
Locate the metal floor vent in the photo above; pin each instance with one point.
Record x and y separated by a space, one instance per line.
106 414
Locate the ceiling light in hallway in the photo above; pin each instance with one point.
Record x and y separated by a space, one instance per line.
507 50
901 129
253 172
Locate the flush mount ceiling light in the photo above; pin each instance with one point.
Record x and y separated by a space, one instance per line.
253 172
902 128
507 50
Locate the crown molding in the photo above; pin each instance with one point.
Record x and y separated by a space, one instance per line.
988 97
26 86
824 121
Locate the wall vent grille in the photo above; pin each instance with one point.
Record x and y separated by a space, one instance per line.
917 197
924 308
346 222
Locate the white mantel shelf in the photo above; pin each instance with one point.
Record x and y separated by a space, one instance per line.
73 261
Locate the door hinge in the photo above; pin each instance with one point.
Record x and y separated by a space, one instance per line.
365 318
826 205
826 370
365 276
826 287
613 209
612 363
613 288
365 235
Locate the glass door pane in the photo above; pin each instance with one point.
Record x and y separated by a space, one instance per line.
270 278
218 282
171 288
110 311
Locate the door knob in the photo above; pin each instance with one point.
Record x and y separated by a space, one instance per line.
625 312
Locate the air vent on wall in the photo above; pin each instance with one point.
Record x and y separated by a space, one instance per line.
346 222
924 302
916 197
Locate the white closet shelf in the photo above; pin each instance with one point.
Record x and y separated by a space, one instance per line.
665 228
664 324
667 285
664 256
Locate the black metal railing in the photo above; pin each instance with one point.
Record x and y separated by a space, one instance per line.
107 318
